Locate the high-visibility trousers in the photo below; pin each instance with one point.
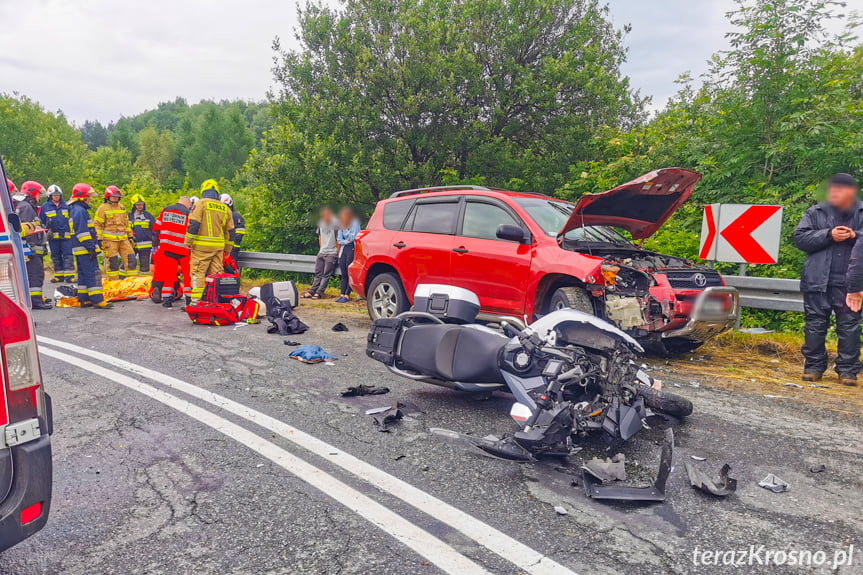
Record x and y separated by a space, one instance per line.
89 280
166 266
113 251
206 260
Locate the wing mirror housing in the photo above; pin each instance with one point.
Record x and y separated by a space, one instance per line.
511 232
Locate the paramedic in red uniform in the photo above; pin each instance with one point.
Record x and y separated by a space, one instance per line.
170 254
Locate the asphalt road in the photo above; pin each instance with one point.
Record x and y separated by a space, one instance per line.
243 461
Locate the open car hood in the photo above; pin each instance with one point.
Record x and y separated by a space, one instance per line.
640 206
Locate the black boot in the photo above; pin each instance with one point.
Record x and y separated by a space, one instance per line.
169 302
40 304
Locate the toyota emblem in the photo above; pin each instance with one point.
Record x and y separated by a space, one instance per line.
699 279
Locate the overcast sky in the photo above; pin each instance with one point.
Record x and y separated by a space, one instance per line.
101 59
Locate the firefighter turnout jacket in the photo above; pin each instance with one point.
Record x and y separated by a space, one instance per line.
112 222
210 225
142 226
55 219
82 228
170 230
239 229
28 212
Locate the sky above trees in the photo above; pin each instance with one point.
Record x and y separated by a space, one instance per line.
100 59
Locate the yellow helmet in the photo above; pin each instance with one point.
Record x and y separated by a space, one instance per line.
137 199
210 185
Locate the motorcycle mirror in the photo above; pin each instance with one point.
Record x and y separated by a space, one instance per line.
510 232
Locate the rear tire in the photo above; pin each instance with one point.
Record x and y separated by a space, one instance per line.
666 402
571 297
386 297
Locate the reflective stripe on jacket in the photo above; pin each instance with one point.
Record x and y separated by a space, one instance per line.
210 225
170 229
239 229
56 220
112 222
82 228
142 226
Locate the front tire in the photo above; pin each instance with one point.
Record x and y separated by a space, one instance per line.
666 402
571 297
386 297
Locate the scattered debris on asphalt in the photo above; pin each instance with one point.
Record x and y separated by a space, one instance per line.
768 396
312 354
820 468
292 343
384 417
340 327
755 330
656 492
819 386
797 385
722 487
694 383
698 458
773 483
361 390
560 510
607 470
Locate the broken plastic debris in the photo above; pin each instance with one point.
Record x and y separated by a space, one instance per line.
797 385
818 468
721 487
694 383
819 386
756 330
698 458
360 390
773 483
767 395
608 469
560 510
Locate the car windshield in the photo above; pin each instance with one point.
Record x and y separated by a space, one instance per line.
552 215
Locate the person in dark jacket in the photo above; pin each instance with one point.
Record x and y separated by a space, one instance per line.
36 242
239 229
827 233
54 215
142 223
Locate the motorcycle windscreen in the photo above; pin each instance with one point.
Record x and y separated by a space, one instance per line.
579 328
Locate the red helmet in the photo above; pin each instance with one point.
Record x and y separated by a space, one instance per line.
33 189
11 185
112 191
81 191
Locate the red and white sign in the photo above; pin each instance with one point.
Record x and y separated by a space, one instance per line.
741 233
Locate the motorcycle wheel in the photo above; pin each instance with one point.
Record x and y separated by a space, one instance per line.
666 402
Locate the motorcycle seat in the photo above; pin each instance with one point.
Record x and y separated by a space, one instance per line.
453 353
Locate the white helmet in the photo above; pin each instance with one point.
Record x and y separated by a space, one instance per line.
194 200
255 292
227 200
54 189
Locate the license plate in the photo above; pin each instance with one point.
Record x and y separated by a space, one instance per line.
713 307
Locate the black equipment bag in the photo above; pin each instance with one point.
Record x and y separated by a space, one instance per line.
221 288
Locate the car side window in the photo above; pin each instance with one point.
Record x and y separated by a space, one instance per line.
395 212
434 218
481 220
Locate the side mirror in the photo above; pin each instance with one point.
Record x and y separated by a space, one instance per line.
510 232
14 222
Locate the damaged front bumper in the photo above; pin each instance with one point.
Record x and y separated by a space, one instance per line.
712 313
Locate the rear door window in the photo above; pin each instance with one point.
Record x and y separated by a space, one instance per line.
434 217
481 220
395 213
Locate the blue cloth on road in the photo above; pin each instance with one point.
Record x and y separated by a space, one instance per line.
312 354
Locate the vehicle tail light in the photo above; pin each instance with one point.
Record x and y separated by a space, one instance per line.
20 360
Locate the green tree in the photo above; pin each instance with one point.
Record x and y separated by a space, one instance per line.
39 145
383 96
217 144
109 166
156 152
94 134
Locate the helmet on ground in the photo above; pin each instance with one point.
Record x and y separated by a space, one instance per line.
210 185
113 191
11 185
33 189
255 292
227 200
82 191
55 189
137 199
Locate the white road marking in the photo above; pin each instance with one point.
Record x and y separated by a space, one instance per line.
500 543
423 543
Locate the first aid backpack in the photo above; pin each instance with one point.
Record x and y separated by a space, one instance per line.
237 309
221 288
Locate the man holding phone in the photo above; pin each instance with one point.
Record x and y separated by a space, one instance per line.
828 233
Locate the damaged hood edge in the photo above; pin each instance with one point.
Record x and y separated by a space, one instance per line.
640 206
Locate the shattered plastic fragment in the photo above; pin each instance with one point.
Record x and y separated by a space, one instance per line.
722 487
797 385
560 510
818 468
773 483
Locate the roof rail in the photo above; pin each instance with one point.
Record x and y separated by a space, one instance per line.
438 189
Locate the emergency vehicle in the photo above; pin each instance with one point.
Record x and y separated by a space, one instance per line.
25 408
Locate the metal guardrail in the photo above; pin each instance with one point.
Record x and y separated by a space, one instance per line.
759 293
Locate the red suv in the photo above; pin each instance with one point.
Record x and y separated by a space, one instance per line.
527 254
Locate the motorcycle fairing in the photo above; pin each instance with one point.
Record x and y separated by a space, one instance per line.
579 328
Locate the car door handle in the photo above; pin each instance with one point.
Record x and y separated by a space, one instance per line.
460 250
399 245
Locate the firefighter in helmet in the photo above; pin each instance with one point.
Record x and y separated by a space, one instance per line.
142 223
35 238
208 236
239 229
85 247
54 216
115 233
